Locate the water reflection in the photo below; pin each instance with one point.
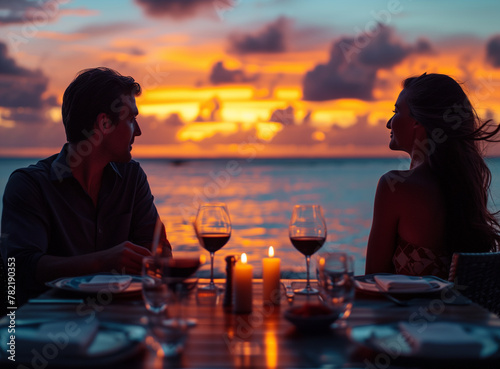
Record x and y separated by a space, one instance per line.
260 196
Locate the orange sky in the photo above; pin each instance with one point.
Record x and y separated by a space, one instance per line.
244 80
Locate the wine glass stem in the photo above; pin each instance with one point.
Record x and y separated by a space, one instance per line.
308 286
212 269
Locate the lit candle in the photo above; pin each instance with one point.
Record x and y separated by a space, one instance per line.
271 278
242 286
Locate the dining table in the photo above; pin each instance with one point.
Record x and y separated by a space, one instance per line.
264 338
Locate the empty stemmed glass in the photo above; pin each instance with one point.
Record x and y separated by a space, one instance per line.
307 231
213 229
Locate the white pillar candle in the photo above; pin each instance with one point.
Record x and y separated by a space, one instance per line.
242 286
271 278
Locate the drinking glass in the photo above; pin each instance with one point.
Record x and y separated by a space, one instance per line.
155 291
180 279
335 271
307 232
213 229
166 333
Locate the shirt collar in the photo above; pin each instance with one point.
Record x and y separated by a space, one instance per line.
60 169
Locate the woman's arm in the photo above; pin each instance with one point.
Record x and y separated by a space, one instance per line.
383 234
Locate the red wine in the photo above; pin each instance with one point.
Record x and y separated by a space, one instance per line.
214 241
307 245
182 267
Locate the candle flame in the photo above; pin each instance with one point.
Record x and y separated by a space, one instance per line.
271 251
244 258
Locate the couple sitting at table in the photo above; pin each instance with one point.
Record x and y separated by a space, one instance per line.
89 209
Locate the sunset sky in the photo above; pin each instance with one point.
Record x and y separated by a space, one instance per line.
241 78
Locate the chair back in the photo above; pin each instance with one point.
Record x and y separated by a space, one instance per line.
477 276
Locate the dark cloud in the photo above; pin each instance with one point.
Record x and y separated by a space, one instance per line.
159 132
186 8
493 51
272 39
20 87
386 51
339 79
23 11
220 74
284 116
8 66
352 69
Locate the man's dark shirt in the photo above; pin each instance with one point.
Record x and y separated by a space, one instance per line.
46 211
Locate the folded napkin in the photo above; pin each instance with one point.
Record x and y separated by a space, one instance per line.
401 283
65 338
114 283
440 339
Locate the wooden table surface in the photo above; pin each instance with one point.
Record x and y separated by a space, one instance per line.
264 338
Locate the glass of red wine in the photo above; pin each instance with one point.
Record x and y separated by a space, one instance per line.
180 278
307 231
213 229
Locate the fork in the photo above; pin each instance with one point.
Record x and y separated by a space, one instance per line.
287 283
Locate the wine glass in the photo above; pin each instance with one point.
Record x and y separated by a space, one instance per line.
180 279
155 291
335 272
307 231
213 229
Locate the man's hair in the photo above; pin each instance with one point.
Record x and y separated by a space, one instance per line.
94 91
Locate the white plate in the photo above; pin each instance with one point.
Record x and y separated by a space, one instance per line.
73 284
388 339
113 342
366 283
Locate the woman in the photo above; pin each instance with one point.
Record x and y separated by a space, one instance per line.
439 206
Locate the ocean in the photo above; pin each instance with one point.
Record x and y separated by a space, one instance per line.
260 195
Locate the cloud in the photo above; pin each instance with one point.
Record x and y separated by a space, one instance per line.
352 68
159 132
493 51
220 74
272 39
20 87
24 11
284 116
361 133
181 9
101 29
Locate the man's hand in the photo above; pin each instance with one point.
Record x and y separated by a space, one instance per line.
124 258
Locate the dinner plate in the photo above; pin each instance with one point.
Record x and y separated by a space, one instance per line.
387 339
113 342
73 284
367 284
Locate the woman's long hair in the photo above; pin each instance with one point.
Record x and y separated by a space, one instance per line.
454 137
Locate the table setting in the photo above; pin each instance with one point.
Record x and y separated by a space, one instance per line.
170 317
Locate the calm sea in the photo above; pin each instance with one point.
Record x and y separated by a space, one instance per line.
260 195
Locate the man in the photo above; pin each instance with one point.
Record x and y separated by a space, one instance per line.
88 209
